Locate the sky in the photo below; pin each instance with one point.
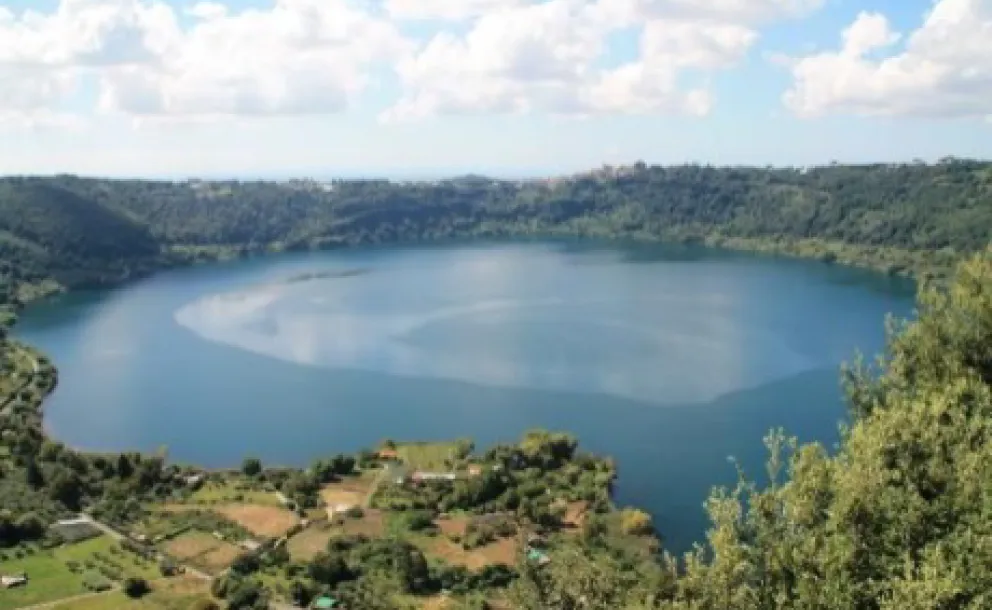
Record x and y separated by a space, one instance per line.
407 88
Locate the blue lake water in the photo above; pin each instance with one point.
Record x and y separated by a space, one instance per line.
670 359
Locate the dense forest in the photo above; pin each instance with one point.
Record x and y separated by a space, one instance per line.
72 231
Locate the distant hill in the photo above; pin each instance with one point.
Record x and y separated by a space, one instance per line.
894 217
49 231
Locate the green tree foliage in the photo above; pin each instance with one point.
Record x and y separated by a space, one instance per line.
251 467
136 587
83 231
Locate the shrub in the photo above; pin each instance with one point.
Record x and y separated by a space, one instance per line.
136 587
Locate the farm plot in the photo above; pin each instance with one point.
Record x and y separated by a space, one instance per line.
266 521
428 456
233 491
203 551
69 571
502 551
172 594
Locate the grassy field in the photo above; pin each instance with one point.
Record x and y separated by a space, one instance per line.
428 456
202 551
172 594
50 576
267 521
234 490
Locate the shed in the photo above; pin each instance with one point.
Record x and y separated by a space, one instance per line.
14 580
325 602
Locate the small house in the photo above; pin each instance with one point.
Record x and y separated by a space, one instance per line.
13 580
419 476
474 470
388 454
75 530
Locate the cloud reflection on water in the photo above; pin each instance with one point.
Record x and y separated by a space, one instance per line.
669 347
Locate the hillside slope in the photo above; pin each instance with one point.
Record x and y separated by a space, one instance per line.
895 217
48 231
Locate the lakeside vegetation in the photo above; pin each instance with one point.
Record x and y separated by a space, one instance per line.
67 232
899 516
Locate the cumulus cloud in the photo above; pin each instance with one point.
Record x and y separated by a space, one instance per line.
943 69
446 10
297 56
213 58
548 57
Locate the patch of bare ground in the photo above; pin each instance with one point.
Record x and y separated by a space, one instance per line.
453 526
268 521
502 551
575 515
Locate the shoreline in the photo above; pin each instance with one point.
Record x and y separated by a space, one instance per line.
918 265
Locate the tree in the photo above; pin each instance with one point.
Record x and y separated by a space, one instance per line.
136 587
251 466
67 488
124 467
328 569
300 594
635 521
245 563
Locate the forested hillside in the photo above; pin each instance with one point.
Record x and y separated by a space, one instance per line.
894 217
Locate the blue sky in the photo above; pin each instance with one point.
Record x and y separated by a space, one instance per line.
507 87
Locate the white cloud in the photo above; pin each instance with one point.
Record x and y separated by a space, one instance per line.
212 59
548 57
446 10
207 10
944 69
297 56
740 12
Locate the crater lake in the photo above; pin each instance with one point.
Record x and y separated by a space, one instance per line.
669 359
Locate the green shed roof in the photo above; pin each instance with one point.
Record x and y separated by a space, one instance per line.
325 602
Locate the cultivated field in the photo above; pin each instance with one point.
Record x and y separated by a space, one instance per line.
309 542
201 550
172 594
233 491
453 526
427 456
502 551
267 521
350 490
64 572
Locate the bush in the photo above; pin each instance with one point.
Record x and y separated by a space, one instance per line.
136 587
96 583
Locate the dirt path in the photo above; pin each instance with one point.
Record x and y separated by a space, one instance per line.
367 502
66 600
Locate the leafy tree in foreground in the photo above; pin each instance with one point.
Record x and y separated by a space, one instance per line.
900 518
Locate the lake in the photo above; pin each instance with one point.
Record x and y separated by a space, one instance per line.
670 359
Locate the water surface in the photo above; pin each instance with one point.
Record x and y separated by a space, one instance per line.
669 359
